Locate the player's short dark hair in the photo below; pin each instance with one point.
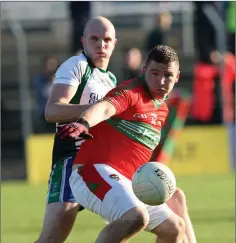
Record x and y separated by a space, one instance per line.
162 54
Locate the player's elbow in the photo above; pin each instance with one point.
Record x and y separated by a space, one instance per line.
49 114
107 114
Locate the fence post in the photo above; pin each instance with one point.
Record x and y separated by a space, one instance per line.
187 12
23 77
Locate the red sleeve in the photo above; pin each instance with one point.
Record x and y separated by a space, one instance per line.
122 99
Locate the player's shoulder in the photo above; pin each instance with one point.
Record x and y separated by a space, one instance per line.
127 88
76 61
112 77
132 85
72 70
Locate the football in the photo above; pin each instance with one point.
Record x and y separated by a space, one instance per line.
153 183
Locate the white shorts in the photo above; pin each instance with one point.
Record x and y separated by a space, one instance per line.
104 191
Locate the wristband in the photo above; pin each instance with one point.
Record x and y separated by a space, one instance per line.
83 122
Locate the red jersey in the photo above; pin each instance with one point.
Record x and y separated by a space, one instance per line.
127 140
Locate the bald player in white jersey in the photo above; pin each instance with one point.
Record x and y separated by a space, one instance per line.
80 81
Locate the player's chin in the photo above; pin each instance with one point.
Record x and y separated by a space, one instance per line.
160 95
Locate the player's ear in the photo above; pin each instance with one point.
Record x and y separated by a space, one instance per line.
115 41
82 40
177 77
144 68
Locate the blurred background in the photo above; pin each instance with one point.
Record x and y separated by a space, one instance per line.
36 37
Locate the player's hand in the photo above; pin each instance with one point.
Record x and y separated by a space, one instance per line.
73 130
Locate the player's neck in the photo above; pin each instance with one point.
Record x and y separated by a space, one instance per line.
159 98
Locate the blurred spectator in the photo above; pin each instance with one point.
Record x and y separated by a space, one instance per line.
203 100
133 63
158 35
207 104
205 36
80 14
208 89
43 83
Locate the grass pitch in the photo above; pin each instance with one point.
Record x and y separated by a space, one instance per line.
210 200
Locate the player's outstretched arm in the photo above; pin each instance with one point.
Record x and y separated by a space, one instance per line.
95 114
58 108
98 112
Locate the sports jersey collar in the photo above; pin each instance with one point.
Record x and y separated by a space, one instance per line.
91 63
156 102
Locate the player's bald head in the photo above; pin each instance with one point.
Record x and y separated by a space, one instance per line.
99 23
99 41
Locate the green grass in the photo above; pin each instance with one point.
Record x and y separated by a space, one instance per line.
210 200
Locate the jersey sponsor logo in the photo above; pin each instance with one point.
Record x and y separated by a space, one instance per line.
93 98
141 130
142 116
138 131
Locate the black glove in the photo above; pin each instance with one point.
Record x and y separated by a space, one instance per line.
79 128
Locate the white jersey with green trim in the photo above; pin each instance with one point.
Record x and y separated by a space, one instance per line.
92 84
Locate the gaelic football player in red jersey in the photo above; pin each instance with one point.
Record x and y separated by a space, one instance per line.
126 127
